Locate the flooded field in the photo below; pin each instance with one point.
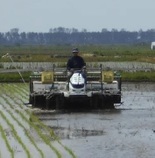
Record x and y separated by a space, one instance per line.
127 131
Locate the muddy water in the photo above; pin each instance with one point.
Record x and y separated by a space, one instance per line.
127 131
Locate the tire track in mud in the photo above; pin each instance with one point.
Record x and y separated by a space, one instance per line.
12 97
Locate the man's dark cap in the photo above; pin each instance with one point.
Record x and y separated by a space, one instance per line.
75 50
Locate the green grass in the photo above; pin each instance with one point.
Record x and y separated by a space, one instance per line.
14 77
139 76
91 53
97 52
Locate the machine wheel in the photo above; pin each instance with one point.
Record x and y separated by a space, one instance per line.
31 99
94 102
59 102
48 104
109 105
39 101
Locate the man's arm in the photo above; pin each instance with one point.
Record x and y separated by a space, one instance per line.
83 63
69 64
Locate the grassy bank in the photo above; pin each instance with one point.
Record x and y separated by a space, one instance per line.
92 52
139 76
14 77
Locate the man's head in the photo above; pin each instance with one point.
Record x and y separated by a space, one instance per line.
75 51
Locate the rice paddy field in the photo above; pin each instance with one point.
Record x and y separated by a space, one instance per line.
128 131
22 134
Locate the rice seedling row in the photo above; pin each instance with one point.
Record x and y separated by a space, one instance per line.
17 115
23 116
17 137
14 117
3 134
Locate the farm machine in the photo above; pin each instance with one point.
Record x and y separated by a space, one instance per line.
91 88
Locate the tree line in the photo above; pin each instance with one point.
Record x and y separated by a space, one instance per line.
68 36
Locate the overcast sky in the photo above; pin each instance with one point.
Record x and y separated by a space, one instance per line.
93 15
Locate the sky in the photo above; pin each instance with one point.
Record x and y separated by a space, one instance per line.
92 15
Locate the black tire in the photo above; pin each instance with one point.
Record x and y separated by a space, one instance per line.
39 102
59 102
94 102
31 99
109 105
48 104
